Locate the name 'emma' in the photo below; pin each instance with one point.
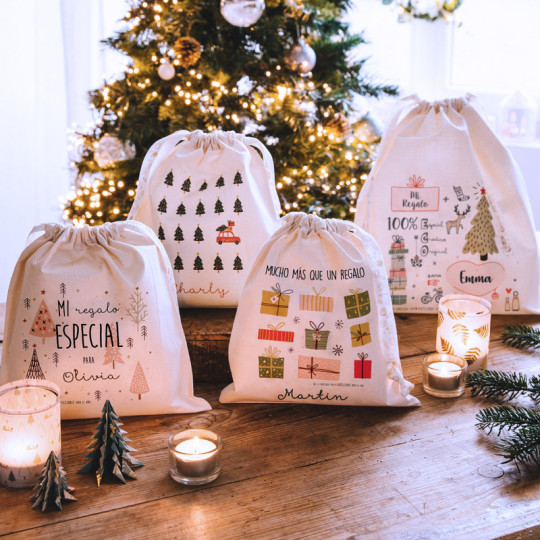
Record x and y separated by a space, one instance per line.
464 278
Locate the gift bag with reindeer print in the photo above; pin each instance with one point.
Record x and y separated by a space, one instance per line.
315 323
94 310
449 208
211 200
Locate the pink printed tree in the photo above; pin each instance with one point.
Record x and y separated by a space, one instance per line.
43 325
139 385
113 354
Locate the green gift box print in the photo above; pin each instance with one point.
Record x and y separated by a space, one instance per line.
316 338
357 304
270 366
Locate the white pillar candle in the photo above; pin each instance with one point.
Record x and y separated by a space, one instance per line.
29 430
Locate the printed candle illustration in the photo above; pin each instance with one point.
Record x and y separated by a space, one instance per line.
398 276
463 328
34 369
481 237
29 430
139 385
43 325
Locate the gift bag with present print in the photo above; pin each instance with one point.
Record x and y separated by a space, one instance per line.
94 310
448 206
211 200
314 323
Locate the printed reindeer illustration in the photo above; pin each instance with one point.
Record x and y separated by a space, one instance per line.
457 222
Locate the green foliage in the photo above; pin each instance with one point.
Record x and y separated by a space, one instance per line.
501 384
521 336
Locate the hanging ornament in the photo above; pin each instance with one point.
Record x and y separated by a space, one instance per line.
187 50
110 149
368 129
301 57
166 71
242 12
339 125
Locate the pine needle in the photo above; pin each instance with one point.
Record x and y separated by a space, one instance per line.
503 385
521 336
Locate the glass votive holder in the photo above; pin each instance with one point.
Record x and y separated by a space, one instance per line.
195 456
444 375
463 328
29 430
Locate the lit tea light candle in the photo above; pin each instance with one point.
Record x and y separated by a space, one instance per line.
444 375
29 430
195 456
463 328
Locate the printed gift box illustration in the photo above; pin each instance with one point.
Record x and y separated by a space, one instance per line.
357 304
276 301
326 369
270 365
316 302
316 338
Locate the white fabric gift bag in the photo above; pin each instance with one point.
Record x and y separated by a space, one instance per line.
449 208
94 310
315 323
211 199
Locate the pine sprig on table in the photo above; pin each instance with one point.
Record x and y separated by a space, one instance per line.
512 418
503 385
521 336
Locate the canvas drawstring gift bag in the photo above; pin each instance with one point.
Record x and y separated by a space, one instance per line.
449 208
94 310
314 323
212 201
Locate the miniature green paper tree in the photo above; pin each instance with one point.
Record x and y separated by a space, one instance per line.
238 206
169 178
161 233
198 237
237 264
481 237
238 178
200 208
178 264
162 206
198 264
109 452
218 208
186 186
220 182
178 234
34 369
218 263
204 185
181 210
52 487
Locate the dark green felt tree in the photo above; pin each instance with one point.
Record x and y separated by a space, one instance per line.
162 206
181 210
169 178
218 207
178 234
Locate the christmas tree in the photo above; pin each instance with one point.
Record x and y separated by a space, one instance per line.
34 369
200 208
186 186
238 178
481 237
113 354
238 206
43 325
169 178
218 263
218 207
204 185
178 264
139 385
162 206
178 234
220 182
181 210
291 80
198 236
237 264
161 233
198 264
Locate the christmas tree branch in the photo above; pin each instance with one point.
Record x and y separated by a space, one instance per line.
521 336
507 417
522 446
498 384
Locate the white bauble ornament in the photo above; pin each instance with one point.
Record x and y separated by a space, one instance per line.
368 129
301 57
110 149
242 12
166 71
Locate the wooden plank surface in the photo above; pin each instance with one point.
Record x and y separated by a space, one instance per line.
297 471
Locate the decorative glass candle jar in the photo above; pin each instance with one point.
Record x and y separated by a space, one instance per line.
444 375
195 456
29 430
463 328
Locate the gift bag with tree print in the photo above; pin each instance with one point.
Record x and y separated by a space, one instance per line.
314 323
94 310
449 208
211 199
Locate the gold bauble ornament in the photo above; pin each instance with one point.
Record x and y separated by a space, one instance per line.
368 129
188 51
339 125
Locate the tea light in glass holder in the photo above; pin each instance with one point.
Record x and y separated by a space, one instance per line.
195 456
29 430
463 328
444 375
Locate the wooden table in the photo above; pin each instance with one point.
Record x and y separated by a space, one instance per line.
299 471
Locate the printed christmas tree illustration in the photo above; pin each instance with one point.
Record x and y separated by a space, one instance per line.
162 206
137 308
178 234
481 237
169 178
109 451
52 487
178 264
181 210
139 385
186 186
161 233
34 369
218 263
238 206
218 208
220 182
204 185
113 354
198 264
43 325
238 178
237 264
198 237
200 208
27 302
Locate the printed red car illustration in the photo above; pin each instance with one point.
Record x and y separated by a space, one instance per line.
226 235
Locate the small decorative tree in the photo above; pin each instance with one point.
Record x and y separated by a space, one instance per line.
237 264
198 236
178 264
204 185
186 186
200 208
139 385
162 206
109 451
178 234
34 369
181 210
43 325
169 178
238 206
481 237
161 233
113 354
238 178
218 208
198 264
220 182
52 487
218 263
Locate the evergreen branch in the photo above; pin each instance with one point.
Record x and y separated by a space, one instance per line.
521 336
507 417
503 385
522 447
